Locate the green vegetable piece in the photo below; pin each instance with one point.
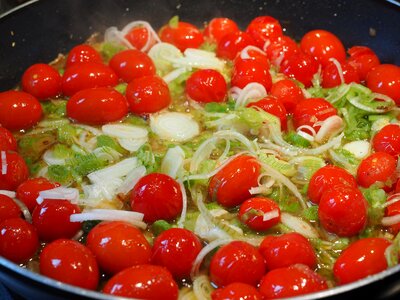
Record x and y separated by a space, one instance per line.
159 226
173 22
121 88
376 198
61 151
108 50
136 120
148 159
216 107
54 109
66 134
85 164
311 213
208 46
296 140
59 173
34 145
281 166
191 218
107 141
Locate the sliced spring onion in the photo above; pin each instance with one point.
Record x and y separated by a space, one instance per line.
131 179
273 214
120 169
59 193
202 287
360 149
152 36
339 68
10 194
200 59
329 127
299 225
252 91
4 164
182 219
50 159
132 145
392 220
125 131
172 162
244 54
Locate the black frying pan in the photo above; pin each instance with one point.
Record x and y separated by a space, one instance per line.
40 30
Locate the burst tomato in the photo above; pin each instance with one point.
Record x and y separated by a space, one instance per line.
7 140
232 43
218 27
182 35
237 291
14 170
300 66
83 53
274 107
253 211
206 86
264 28
385 79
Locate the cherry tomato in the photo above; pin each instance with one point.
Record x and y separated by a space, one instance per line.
138 37
7 140
232 43
8 208
392 210
237 262
51 219
70 262
290 282
183 35
300 66
362 258
331 77
273 106
218 27
280 49
18 240
236 291
230 186
378 167
19 110
363 59
385 79
83 53
253 210
323 45
147 94
286 250
176 245
264 28
388 140
97 106
131 64
117 246
158 196
343 210
287 92
14 170
206 86
327 178
87 75
143 282
246 71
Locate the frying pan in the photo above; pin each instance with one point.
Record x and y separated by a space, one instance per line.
38 30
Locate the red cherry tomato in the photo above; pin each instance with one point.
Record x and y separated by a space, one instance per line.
323 45
327 178
264 28
286 250
8 208
19 110
138 37
183 35
280 49
18 240
237 262
290 282
206 86
158 197
393 210
273 106
343 211
218 27
70 262
83 53
378 167
143 282
7 140
252 213
176 245
385 79
230 186
97 106
363 59
232 43
331 77
300 66
246 71
14 170
131 64
117 246
87 75
362 258
236 291
388 140
41 81
147 94
287 92
51 219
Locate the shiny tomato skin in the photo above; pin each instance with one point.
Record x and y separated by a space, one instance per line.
237 291
82 54
378 167
280 49
343 211
392 210
331 78
327 178
385 79
291 281
16 172
7 140
183 36
206 86
19 110
300 66
288 93
286 250
137 37
232 43
246 71
362 258
97 106
41 81
148 94
158 196
176 245
18 240
388 140
264 28
252 210
230 186
51 218
29 190
8 208
70 262
363 59
236 262
130 64
143 282
87 75
218 27
273 106
323 45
